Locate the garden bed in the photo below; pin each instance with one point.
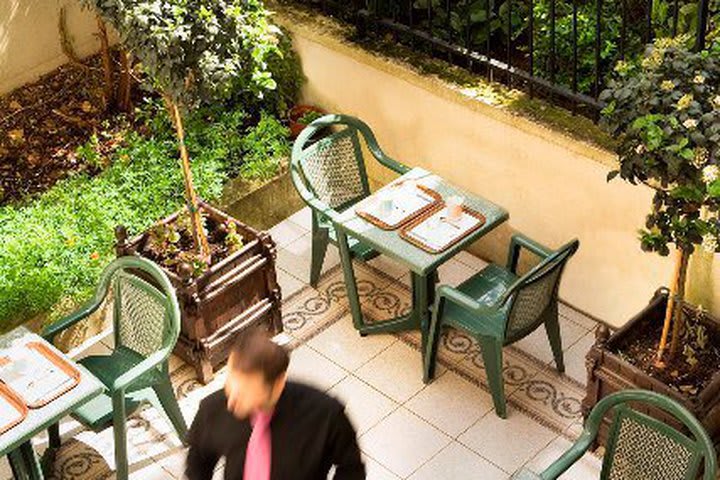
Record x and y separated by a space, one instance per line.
44 123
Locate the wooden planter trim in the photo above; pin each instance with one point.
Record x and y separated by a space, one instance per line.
608 372
205 342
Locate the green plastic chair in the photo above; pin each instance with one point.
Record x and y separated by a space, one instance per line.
497 307
330 175
640 447
146 325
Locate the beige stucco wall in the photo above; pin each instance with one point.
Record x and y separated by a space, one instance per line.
553 187
30 40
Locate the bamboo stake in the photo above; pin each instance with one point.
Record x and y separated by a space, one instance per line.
107 63
199 237
669 309
124 100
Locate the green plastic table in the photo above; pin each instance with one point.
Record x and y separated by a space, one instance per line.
16 442
422 265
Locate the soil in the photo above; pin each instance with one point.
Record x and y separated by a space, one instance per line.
43 123
216 235
676 373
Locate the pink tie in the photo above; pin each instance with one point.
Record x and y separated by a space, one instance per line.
259 449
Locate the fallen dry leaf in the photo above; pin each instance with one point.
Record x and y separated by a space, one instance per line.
17 136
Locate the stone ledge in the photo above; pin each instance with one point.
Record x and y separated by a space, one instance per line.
573 132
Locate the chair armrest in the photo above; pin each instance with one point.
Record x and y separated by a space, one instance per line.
385 160
464 301
127 378
374 147
567 459
519 241
51 331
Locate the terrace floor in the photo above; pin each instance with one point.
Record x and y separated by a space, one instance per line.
407 430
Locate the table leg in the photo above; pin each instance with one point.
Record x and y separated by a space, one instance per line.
423 298
32 461
17 465
24 463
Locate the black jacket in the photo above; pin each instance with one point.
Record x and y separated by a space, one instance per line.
309 429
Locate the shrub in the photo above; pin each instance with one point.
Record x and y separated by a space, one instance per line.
665 112
53 248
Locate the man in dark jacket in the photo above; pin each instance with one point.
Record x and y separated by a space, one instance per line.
268 428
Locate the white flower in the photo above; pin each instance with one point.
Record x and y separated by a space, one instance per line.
710 173
699 79
667 85
701 156
709 243
640 149
690 123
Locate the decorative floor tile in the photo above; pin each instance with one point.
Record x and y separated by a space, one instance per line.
549 395
289 285
458 463
308 366
451 404
508 443
375 471
538 345
342 344
397 372
575 358
286 232
403 442
302 218
365 406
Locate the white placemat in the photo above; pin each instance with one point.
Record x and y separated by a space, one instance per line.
437 231
32 375
406 201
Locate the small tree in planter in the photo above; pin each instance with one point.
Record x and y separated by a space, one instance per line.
195 51
665 111
202 51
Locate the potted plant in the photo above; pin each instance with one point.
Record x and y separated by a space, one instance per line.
665 112
300 116
224 271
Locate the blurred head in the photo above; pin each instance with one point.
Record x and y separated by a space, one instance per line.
256 375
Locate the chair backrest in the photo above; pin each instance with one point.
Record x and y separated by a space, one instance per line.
536 291
640 447
146 313
333 167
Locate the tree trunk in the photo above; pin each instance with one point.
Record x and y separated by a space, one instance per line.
669 310
191 200
124 99
679 317
107 63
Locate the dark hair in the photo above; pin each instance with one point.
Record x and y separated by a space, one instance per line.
256 352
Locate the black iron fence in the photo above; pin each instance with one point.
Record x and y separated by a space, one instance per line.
559 49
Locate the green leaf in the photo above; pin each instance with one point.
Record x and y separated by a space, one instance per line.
612 174
688 192
714 189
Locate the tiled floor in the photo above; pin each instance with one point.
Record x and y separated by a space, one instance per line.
444 430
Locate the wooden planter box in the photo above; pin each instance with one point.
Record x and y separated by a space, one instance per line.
609 373
239 293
